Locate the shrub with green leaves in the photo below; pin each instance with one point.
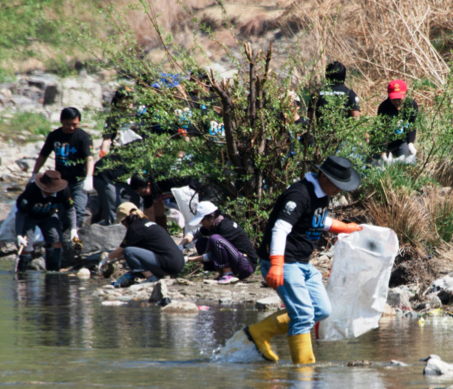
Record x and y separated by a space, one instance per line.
254 153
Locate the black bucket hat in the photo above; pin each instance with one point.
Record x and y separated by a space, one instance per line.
340 172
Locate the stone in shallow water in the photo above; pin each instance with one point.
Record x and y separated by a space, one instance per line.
113 303
359 363
84 273
126 298
180 307
160 291
272 302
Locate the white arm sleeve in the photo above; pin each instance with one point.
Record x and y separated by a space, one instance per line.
327 223
279 233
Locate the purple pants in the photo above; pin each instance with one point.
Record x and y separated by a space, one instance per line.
223 254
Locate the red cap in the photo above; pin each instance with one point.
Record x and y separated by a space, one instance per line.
397 89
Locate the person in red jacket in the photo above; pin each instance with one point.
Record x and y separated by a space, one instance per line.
295 225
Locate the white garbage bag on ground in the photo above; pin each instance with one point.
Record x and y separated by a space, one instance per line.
358 282
8 229
187 204
175 216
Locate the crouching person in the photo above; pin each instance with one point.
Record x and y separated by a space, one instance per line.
147 248
37 206
224 245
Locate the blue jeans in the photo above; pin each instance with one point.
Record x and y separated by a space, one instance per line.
140 260
80 202
304 295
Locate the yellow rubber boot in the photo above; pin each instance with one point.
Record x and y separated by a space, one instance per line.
301 349
262 333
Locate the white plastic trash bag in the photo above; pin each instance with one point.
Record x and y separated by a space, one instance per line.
358 282
175 216
8 229
127 135
186 200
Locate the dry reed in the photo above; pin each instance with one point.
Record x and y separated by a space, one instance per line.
405 215
418 220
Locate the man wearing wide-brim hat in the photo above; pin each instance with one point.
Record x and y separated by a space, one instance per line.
37 206
295 225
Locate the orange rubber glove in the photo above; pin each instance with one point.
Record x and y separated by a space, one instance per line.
275 276
339 227
102 154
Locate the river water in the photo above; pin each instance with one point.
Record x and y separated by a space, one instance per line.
54 334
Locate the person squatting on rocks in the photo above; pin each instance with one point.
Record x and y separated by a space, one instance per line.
147 248
399 114
224 245
37 206
73 159
295 225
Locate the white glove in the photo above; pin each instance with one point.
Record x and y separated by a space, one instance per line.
385 158
388 160
104 260
74 234
32 178
181 247
21 240
88 184
412 148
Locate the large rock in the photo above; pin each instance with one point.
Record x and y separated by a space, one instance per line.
267 303
100 238
95 238
180 307
81 93
398 298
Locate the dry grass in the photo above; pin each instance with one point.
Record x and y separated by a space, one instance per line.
379 40
442 171
418 220
403 214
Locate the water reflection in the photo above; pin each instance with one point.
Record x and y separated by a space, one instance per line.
53 330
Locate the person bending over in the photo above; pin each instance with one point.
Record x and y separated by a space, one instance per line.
399 114
295 225
147 248
224 245
37 206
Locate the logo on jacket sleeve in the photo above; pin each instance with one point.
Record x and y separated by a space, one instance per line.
290 207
